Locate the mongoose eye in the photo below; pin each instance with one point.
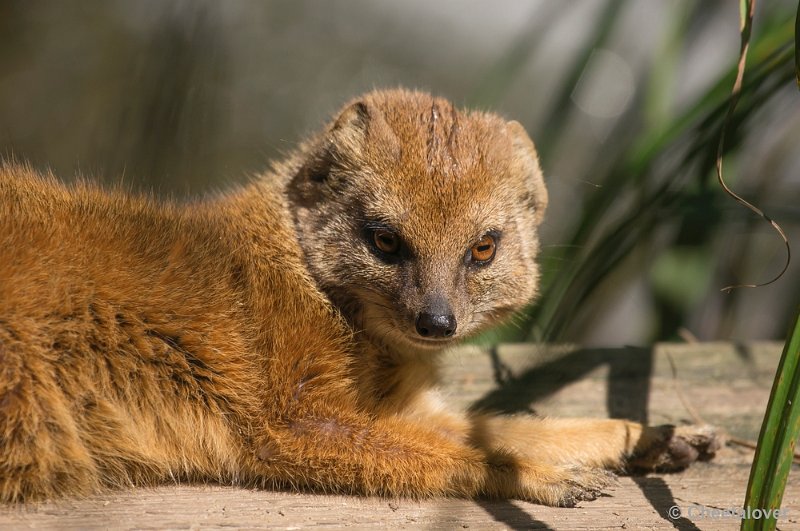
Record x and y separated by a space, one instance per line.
386 241
483 250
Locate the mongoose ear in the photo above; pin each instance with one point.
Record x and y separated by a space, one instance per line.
527 160
344 137
353 118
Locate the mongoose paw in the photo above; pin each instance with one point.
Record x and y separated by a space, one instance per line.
578 484
588 485
676 448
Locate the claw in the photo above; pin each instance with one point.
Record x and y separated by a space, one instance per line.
588 487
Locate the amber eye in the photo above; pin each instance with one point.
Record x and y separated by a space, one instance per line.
483 251
386 241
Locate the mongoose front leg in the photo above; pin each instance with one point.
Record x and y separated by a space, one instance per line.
577 443
617 445
392 457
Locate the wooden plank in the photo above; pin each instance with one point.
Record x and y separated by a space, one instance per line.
635 503
727 384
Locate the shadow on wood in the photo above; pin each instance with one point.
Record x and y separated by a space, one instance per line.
628 391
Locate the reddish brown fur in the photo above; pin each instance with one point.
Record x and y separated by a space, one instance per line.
255 339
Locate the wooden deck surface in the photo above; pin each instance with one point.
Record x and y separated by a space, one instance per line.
725 384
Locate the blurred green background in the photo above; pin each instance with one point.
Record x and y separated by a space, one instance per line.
623 99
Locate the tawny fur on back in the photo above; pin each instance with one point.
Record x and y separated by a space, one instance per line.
259 338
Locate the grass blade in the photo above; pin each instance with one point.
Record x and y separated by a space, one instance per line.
797 46
747 10
780 430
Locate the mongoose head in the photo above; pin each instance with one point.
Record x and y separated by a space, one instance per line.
420 220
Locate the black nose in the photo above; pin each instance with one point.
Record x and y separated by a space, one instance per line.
435 325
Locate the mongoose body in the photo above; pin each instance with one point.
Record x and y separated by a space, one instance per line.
286 333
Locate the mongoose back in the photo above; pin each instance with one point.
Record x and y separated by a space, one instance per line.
285 334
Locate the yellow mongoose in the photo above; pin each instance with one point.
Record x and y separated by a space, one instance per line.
285 334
